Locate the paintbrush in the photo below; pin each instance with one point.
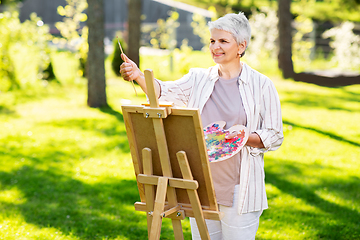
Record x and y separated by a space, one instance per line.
123 53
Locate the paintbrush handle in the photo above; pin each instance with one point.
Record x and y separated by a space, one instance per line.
123 53
132 81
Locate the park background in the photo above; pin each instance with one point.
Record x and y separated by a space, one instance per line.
66 170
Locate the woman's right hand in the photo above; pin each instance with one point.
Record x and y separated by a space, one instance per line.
129 70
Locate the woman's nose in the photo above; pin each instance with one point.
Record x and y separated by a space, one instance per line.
215 45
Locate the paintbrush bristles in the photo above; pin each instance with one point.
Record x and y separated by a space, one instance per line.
120 45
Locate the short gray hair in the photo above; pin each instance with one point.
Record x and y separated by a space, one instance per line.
236 24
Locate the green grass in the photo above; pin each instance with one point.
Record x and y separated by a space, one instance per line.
66 170
313 179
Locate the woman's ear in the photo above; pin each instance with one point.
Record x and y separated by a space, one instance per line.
242 46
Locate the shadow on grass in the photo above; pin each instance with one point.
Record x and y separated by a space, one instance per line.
329 134
111 111
327 81
51 194
327 102
113 128
55 151
332 221
108 127
89 211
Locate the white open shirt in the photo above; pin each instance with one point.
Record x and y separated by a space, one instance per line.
263 113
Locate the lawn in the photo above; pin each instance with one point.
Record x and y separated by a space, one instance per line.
66 170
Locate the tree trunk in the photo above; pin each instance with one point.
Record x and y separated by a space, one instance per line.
134 28
96 55
285 38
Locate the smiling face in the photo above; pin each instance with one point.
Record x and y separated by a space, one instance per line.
224 48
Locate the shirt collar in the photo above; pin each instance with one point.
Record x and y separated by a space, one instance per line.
214 73
244 74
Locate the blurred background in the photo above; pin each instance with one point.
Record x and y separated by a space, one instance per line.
65 165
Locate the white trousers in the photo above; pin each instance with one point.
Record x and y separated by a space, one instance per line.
233 226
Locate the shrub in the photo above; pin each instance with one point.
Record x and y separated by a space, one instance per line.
24 51
116 57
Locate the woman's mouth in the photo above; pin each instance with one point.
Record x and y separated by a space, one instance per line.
218 54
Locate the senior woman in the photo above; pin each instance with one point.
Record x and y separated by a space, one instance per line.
233 92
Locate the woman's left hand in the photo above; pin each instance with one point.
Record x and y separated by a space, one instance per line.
231 135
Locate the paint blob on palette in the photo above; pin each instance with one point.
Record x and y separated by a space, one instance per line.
219 148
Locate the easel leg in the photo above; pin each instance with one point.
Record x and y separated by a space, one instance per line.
193 196
199 217
178 232
158 208
149 189
166 168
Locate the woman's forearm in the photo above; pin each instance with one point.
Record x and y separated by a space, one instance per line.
254 141
142 83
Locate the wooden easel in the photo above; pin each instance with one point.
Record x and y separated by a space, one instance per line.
171 164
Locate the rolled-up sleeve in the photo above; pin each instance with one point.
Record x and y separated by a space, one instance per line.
178 91
271 130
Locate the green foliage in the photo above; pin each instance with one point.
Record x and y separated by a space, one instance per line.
325 10
181 57
334 10
24 52
164 35
200 28
302 47
116 56
74 36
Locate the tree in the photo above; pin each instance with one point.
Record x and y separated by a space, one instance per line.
285 39
134 29
96 55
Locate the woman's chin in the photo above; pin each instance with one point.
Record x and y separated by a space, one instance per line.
217 60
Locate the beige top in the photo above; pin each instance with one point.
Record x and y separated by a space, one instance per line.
225 104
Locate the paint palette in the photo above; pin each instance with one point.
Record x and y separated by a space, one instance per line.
219 148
